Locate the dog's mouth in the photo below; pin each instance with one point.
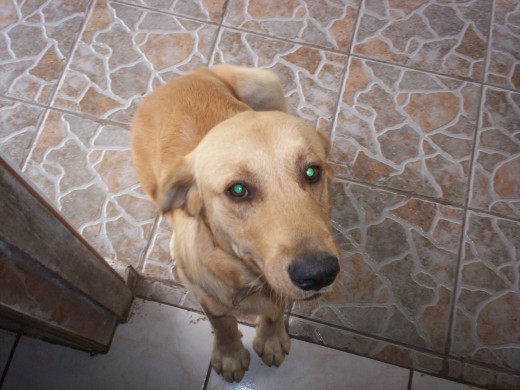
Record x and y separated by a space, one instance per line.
311 297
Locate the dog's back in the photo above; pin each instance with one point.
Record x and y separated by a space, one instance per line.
186 108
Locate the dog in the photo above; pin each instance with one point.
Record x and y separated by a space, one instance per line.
244 186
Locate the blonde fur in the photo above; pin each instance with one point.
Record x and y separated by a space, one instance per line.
195 137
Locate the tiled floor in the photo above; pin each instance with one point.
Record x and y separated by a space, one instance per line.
163 347
421 100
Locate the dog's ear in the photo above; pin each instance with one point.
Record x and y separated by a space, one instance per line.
178 189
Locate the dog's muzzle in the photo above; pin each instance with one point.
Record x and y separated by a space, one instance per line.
314 271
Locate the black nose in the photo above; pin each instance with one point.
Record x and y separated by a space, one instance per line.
314 271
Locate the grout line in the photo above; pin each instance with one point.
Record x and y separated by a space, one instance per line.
469 186
411 68
465 221
34 141
342 178
494 214
206 380
363 334
488 45
218 35
145 252
88 15
167 12
57 86
397 191
343 79
275 38
441 373
410 380
93 118
9 360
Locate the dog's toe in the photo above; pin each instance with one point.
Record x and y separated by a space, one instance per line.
272 349
231 363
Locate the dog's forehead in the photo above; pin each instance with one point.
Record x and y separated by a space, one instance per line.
257 136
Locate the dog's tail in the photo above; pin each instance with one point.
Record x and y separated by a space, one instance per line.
260 89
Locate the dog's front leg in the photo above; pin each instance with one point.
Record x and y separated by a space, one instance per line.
229 357
272 342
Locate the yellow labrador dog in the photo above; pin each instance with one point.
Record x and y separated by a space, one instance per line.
244 187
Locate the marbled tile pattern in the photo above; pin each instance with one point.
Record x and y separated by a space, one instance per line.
421 102
18 124
35 42
442 36
209 10
487 322
504 56
124 53
310 77
324 23
85 170
496 172
399 263
405 129
159 263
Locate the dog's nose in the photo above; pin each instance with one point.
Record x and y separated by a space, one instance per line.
314 271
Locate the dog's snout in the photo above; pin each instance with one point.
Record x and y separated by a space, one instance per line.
315 271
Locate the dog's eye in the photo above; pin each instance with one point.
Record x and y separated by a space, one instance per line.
238 191
313 174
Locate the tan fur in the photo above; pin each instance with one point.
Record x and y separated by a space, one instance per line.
195 137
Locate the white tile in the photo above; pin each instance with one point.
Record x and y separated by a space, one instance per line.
427 382
7 340
161 347
310 366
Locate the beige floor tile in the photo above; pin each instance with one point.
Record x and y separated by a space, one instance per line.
36 39
309 366
496 178
428 382
504 54
18 126
124 53
161 347
7 340
85 170
310 77
487 316
324 23
158 262
399 259
405 129
201 9
438 36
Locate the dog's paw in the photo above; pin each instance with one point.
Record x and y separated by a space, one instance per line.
230 361
272 348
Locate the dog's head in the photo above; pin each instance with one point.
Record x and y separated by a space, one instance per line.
259 181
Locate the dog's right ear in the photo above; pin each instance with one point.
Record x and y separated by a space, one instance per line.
178 189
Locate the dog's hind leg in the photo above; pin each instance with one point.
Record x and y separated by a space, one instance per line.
229 356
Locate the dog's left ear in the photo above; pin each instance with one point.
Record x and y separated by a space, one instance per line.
178 189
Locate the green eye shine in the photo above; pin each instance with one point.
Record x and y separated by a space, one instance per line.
238 191
312 174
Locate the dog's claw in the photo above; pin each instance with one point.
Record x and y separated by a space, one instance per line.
273 348
230 362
